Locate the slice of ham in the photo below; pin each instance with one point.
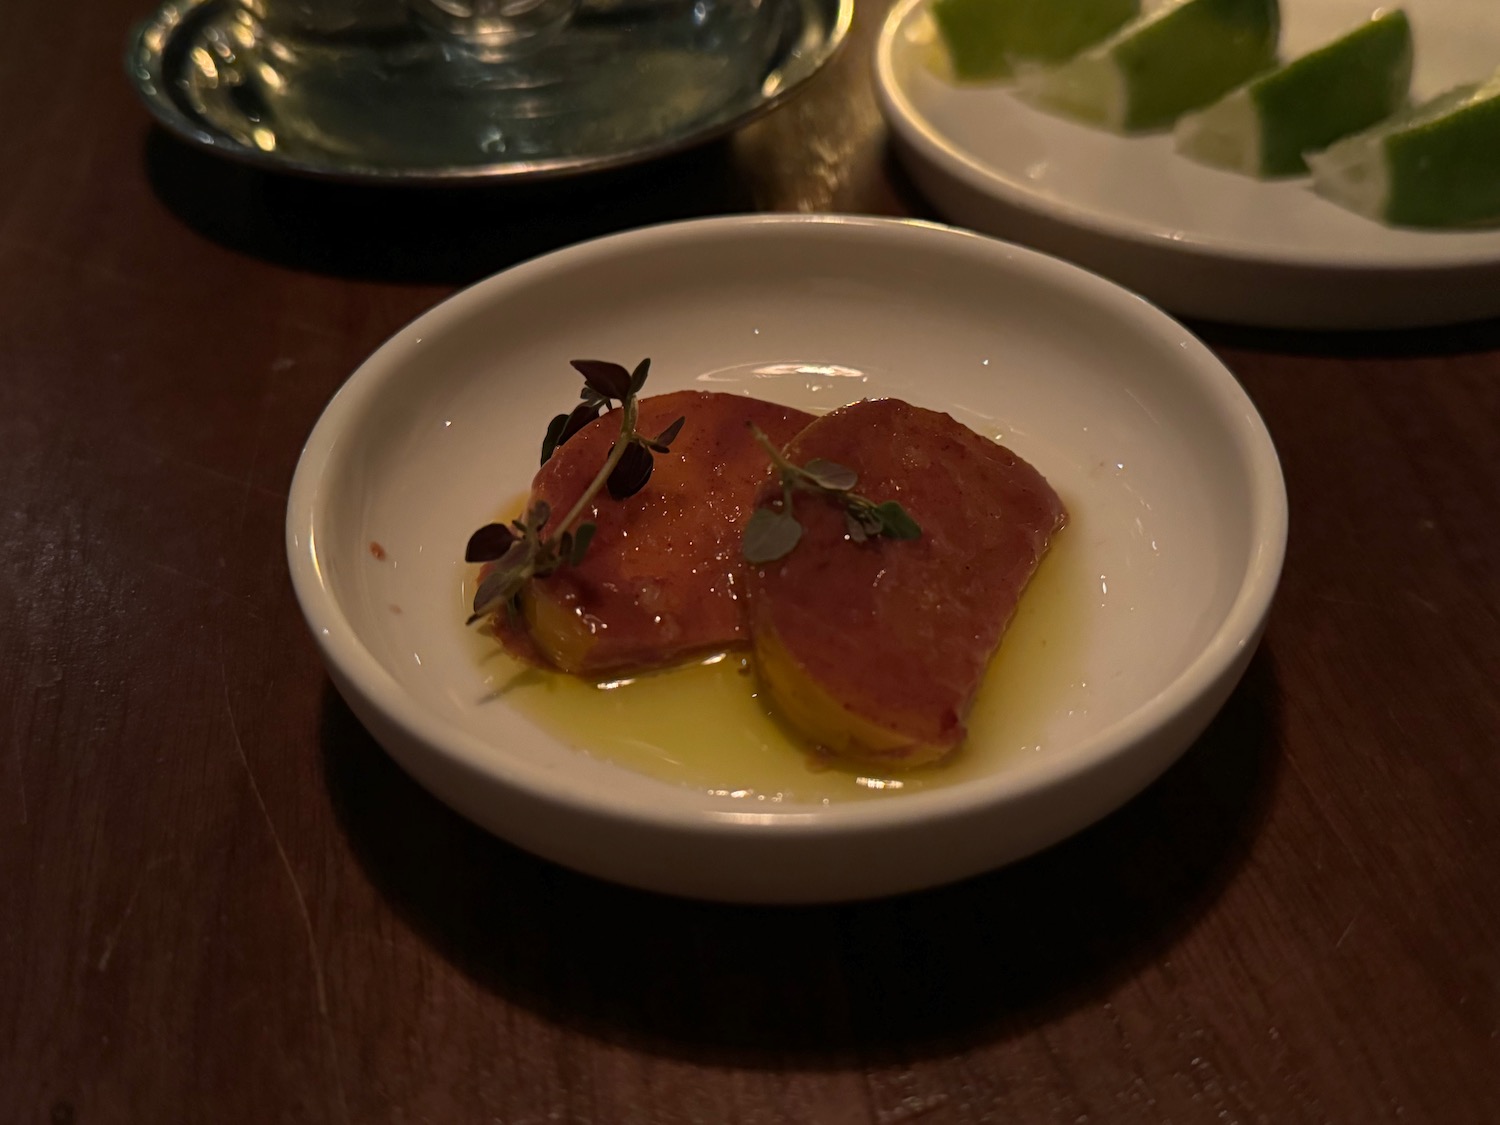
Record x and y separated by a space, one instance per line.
876 649
663 576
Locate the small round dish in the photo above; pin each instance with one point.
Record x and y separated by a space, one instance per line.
398 104
1174 489
1197 240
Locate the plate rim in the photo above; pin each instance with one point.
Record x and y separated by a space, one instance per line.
144 69
350 661
918 132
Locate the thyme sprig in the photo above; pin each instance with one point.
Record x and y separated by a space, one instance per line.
524 549
771 533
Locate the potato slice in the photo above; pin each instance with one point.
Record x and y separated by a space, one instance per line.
875 650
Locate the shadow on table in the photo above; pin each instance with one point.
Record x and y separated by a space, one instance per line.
904 190
1406 343
448 236
919 974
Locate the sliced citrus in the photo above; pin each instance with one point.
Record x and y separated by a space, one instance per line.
1157 67
985 38
1265 127
1435 166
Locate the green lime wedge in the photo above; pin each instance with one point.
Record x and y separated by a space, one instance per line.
1157 67
985 38
1435 166
1265 126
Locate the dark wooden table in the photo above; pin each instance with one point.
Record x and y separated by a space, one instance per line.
220 901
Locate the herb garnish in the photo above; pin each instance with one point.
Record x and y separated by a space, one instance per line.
519 549
771 533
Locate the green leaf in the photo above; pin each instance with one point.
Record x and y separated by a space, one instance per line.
770 535
638 376
862 512
536 515
669 435
490 542
895 523
554 436
830 475
582 415
631 473
547 564
609 379
505 581
581 539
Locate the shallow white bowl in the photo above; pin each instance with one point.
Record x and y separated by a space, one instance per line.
1172 480
1197 240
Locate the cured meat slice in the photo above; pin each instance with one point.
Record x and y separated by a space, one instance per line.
662 576
876 649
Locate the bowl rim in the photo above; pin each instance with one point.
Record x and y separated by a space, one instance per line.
917 131
154 38
352 663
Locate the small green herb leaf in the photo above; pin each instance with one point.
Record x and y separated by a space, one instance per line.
554 437
863 518
662 442
609 379
505 581
581 539
632 473
896 522
581 416
490 542
521 552
536 516
869 519
638 376
770 535
512 608
830 475
669 435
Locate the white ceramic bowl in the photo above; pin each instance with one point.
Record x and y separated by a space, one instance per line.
1171 478
1200 241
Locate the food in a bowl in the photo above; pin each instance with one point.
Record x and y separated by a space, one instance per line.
872 613
662 576
874 647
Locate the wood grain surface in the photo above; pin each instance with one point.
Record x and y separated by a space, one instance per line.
220 902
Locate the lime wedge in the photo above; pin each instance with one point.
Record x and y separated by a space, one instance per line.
1435 166
986 37
1264 127
1157 67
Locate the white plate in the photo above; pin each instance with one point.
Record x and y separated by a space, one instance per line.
1175 490
1200 241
